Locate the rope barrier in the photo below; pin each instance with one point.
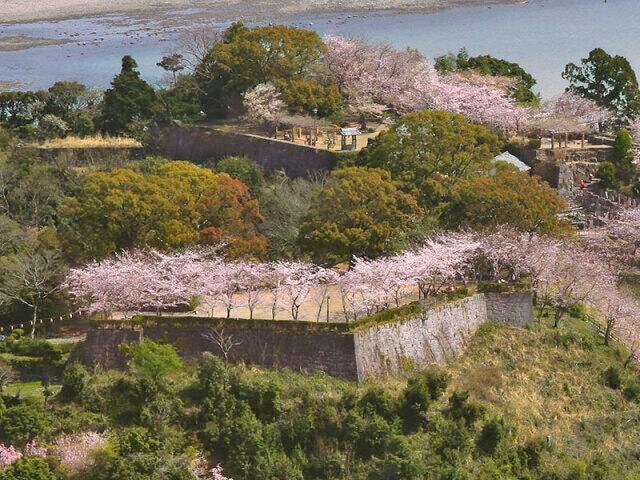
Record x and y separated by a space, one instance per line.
40 321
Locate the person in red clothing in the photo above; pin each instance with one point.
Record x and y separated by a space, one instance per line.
581 184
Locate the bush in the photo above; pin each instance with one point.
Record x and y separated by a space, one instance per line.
153 360
377 401
243 169
531 453
31 468
493 435
374 437
607 175
613 377
461 409
264 398
632 392
21 423
74 381
29 347
579 311
421 390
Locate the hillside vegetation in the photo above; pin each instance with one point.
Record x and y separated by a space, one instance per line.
534 403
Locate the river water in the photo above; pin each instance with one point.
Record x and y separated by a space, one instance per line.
541 35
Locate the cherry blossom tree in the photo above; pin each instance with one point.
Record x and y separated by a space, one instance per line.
31 449
74 451
8 455
405 81
252 279
263 104
568 113
297 281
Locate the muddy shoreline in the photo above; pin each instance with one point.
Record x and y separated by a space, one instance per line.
16 11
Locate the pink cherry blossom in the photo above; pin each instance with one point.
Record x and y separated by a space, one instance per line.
405 81
8 455
75 451
31 449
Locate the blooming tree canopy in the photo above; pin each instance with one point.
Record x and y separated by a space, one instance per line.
263 104
404 80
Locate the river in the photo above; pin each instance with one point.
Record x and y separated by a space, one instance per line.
541 35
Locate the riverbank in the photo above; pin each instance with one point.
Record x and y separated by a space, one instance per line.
19 11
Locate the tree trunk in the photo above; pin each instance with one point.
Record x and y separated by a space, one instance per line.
33 324
607 333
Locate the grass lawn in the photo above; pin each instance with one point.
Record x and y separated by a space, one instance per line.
30 389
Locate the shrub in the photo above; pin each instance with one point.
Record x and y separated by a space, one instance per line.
243 169
460 292
607 175
493 435
153 360
375 437
461 409
632 392
25 346
579 310
613 377
21 423
135 440
31 468
530 453
264 398
74 381
377 401
421 390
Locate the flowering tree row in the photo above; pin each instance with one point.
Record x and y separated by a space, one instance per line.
405 81
562 272
156 281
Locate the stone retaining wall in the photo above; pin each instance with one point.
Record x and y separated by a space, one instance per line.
207 145
369 351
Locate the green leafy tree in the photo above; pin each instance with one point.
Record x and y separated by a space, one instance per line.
623 152
608 80
179 205
32 468
428 152
359 212
19 109
608 176
153 360
509 198
248 57
21 423
304 96
243 169
129 100
75 104
180 103
496 67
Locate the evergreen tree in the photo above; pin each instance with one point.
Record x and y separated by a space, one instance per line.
130 99
623 156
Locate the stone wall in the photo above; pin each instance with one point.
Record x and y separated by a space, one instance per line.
510 307
100 348
369 350
430 337
268 345
201 144
559 155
